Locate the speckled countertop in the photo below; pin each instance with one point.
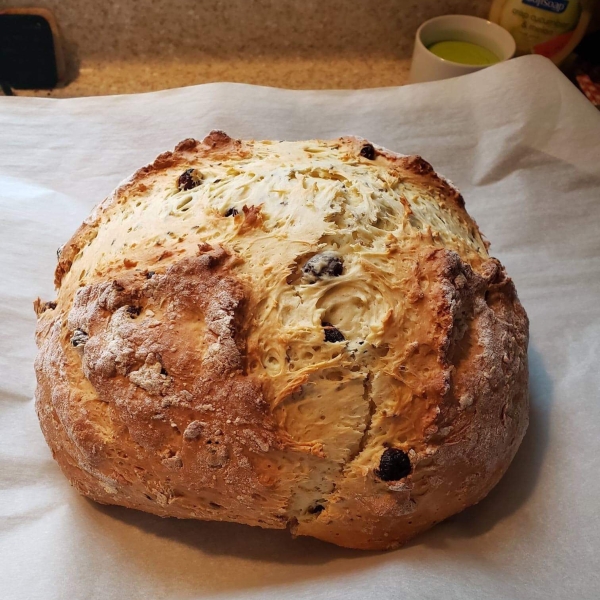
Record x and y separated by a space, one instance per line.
115 47
127 76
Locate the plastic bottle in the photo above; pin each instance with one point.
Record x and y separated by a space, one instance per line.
551 28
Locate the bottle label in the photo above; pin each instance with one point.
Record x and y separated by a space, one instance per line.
540 26
555 6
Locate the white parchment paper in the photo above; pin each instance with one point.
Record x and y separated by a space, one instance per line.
524 147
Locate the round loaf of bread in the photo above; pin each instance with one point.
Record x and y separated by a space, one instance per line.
308 335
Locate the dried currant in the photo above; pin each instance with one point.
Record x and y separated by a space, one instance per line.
332 334
133 311
315 509
231 212
188 180
393 465
150 274
368 151
328 264
79 338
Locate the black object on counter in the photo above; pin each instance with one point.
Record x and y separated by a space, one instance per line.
27 53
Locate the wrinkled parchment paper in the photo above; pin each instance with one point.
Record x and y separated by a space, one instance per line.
524 147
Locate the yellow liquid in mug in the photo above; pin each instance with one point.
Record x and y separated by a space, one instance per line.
464 53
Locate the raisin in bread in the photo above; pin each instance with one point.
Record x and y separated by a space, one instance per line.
285 334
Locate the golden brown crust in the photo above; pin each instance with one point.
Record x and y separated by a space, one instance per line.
473 389
163 357
182 369
215 145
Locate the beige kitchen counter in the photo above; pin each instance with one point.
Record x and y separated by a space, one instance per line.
117 47
125 76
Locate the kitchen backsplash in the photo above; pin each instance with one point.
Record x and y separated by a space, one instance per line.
260 41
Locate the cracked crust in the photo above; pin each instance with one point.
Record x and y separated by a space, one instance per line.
192 365
472 385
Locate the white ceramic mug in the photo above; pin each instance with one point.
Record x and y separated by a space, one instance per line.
426 66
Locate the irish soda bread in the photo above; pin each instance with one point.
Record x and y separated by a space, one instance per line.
286 334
